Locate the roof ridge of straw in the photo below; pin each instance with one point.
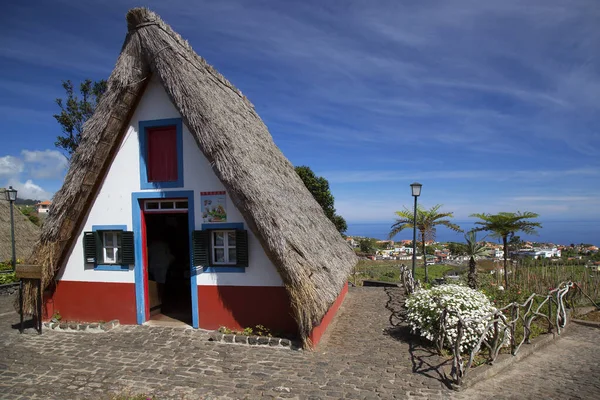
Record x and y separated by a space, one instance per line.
138 18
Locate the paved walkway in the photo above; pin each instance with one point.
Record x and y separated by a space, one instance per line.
363 356
567 369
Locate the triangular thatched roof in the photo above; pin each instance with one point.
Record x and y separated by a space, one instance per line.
26 232
310 255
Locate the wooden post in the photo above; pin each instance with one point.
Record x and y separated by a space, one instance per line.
34 273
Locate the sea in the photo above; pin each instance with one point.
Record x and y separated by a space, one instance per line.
556 232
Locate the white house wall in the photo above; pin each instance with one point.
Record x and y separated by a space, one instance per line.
113 202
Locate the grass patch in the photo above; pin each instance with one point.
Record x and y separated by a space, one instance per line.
389 271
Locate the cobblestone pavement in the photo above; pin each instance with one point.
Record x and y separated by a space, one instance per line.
363 356
360 358
566 369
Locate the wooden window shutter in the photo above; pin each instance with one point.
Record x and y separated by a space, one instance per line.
162 154
90 255
241 247
201 247
127 248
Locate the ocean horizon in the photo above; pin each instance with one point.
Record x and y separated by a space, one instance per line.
557 232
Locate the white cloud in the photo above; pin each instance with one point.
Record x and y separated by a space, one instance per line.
47 164
10 166
20 172
29 190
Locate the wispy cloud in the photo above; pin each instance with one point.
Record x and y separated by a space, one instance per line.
47 164
553 199
470 175
492 104
19 172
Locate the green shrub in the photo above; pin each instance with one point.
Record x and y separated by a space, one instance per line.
8 278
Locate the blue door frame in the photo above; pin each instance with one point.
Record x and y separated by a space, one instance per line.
136 212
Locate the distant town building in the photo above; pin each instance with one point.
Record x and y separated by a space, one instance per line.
351 242
387 243
404 249
539 252
43 207
497 253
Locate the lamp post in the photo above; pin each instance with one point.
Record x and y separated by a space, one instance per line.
11 196
416 192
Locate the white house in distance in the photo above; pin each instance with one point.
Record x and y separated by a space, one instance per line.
178 205
405 250
540 252
497 253
43 207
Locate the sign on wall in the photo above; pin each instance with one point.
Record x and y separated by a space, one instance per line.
213 207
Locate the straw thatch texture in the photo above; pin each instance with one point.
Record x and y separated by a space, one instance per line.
26 233
312 258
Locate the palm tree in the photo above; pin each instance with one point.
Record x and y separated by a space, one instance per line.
474 249
504 225
427 220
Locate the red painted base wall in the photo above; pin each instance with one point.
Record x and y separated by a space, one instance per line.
318 331
92 302
239 307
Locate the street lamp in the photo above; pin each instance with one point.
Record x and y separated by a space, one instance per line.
11 195
416 192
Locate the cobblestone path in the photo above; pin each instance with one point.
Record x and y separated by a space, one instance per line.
362 357
567 369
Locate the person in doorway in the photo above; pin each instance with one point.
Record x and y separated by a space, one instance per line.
159 260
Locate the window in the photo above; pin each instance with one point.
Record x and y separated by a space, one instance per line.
223 247
111 247
165 205
220 247
161 153
108 247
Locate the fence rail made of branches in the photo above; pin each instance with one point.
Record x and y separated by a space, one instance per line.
507 327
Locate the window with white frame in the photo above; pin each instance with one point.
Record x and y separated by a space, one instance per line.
111 247
224 247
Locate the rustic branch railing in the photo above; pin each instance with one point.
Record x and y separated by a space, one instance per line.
409 283
501 328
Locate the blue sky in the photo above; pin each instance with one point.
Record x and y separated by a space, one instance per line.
492 105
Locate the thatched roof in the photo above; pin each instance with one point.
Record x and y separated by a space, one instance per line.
310 255
26 232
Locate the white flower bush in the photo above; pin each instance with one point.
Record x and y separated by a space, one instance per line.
424 312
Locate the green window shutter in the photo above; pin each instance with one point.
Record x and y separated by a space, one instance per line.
241 247
127 248
201 247
99 239
89 248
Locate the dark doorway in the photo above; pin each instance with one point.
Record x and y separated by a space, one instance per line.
168 251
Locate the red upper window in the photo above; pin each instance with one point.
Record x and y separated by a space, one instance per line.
161 163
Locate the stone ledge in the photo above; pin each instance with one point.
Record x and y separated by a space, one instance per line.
593 324
92 327
274 342
504 361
